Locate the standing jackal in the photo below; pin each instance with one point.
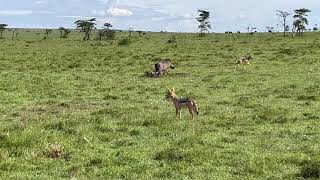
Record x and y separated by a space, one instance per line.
180 103
163 66
244 60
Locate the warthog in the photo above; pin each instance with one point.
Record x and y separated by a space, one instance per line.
163 67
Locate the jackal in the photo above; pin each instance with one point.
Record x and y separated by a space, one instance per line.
163 66
180 103
244 60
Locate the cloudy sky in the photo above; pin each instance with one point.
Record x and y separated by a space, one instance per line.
153 15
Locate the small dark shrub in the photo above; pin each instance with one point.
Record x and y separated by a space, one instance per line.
107 34
125 41
95 162
172 39
286 51
306 98
202 35
56 151
310 170
170 154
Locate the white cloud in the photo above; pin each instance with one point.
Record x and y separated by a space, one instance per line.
16 12
98 13
119 12
44 12
80 17
40 2
104 20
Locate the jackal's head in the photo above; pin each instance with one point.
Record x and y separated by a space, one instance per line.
170 63
249 57
170 94
172 66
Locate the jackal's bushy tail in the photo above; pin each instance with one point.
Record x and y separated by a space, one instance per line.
196 108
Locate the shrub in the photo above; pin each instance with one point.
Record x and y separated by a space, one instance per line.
310 170
171 154
172 39
125 41
107 34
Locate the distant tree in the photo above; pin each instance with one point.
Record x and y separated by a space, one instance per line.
278 27
86 26
287 28
66 33
106 32
46 33
107 25
283 15
253 29
14 34
315 28
130 31
140 33
301 20
61 29
204 23
2 29
248 28
270 29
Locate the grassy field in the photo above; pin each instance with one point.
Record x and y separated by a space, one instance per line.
72 109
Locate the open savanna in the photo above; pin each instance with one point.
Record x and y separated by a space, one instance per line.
73 109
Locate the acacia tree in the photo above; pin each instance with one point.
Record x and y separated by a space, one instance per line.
203 19
270 29
106 32
300 20
14 33
2 29
130 31
61 29
107 25
46 33
283 15
315 28
64 32
140 33
86 26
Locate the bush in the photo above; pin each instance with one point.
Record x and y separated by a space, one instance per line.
172 39
171 154
310 170
125 41
106 34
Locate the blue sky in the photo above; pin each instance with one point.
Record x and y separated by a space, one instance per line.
153 15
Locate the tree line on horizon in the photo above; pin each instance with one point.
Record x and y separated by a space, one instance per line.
87 26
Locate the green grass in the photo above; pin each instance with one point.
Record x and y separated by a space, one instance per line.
85 110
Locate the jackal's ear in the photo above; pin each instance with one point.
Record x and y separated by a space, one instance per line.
169 90
173 90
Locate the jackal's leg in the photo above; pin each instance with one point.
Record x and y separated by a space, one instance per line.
237 66
177 112
191 111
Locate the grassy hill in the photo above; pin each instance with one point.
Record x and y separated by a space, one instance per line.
72 109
